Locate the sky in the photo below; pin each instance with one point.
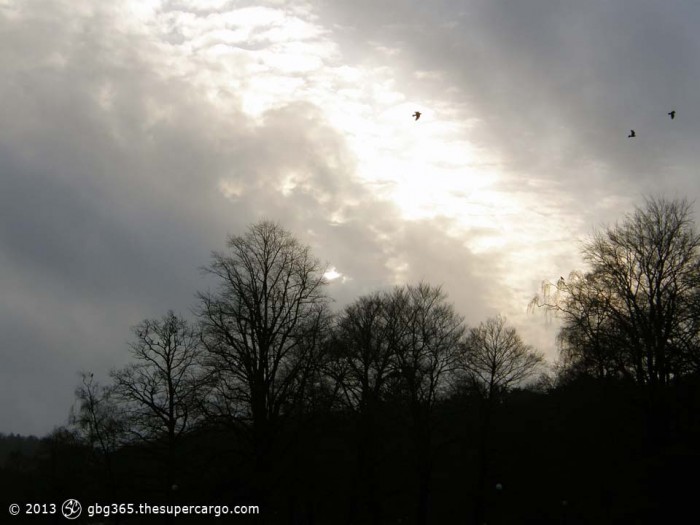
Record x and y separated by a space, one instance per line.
138 134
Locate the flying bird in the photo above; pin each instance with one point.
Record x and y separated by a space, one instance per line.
416 114
632 134
672 114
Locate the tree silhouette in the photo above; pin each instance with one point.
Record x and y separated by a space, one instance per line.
363 366
495 359
392 407
425 334
261 330
635 312
160 391
99 422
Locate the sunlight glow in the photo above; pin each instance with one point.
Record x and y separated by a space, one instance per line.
258 59
332 274
420 166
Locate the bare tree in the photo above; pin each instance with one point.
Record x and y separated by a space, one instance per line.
496 358
261 330
635 312
99 422
362 352
590 341
362 364
160 390
425 335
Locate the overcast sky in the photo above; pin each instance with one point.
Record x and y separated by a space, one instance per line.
136 135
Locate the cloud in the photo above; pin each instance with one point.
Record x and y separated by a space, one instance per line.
144 132
137 145
553 88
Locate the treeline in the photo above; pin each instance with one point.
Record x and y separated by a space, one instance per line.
16 445
393 410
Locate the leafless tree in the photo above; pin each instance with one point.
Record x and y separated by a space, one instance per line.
590 340
99 422
261 329
161 389
496 358
635 312
362 354
362 364
425 336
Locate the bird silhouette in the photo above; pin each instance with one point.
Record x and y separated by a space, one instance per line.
632 134
672 114
416 114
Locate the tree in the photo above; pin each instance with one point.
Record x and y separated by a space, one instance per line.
425 336
400 345
636 310
363 365
635 313
261 330
160 390
99 423
590 339
495 359
362 352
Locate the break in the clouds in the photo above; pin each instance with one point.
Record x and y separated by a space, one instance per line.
137 134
